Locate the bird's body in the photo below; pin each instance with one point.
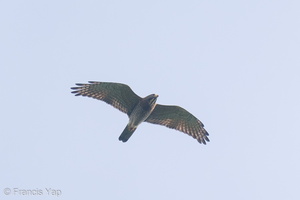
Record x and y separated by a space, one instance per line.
142 109
139 114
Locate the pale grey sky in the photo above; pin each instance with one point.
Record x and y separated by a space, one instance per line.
233 64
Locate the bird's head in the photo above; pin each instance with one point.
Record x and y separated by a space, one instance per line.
151 99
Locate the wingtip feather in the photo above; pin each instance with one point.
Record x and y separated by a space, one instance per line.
93 82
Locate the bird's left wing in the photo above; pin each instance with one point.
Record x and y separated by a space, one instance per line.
180 119
118 95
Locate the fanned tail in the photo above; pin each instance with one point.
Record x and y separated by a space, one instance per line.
126 134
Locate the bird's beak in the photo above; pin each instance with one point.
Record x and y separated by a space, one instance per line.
156 95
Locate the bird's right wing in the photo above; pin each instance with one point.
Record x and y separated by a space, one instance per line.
180 119
118 95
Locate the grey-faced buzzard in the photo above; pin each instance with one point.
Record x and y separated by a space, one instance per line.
140 109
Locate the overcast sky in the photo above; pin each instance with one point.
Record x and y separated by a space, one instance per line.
233 64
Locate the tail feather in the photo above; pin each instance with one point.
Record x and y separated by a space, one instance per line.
126 134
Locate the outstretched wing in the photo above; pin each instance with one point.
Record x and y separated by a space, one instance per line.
178 118
118 95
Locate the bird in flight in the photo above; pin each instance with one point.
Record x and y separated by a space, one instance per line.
140 109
